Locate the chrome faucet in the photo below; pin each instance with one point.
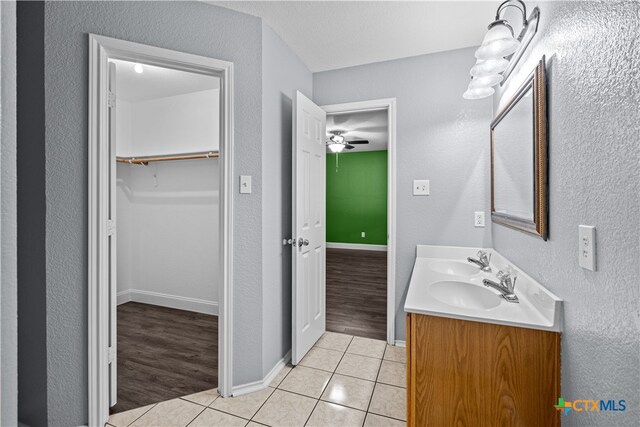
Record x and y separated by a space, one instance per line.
482 261
506 286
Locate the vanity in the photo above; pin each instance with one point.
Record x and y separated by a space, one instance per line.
476 356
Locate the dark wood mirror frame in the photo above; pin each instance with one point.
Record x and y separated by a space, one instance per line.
539 225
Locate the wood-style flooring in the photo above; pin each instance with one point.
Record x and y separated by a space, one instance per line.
357 293
164 353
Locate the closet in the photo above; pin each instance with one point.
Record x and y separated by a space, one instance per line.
167 232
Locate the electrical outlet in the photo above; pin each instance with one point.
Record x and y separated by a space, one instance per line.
478 219
587 247
363 234
420 187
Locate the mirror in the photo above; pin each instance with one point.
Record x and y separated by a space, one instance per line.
519 159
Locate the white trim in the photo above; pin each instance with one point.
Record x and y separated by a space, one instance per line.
166 300
400 343
390 105
356 246
264 383
101 49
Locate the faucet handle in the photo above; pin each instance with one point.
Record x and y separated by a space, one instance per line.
502 275
484 256
508 278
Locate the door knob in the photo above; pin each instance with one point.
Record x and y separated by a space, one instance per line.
303 242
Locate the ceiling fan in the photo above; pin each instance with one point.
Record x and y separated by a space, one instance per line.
337 142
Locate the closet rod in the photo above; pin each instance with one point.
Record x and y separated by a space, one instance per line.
188 156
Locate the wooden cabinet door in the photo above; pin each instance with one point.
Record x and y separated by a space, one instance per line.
467 373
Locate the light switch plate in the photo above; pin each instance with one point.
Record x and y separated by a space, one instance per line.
420 187
478 219
245 184
587 247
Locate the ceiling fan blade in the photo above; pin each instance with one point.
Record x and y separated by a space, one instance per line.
349 147
364 141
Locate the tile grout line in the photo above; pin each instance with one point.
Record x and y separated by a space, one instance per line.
330 378
375 383
194 418
265 401
141 415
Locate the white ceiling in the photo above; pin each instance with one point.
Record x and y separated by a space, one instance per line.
157 82
328 35
368 125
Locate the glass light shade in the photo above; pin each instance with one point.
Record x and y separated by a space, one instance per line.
490 66
486 81
498 42
478 93
336 148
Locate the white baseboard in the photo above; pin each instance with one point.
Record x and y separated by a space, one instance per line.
356 246
166 300
401 343
239 390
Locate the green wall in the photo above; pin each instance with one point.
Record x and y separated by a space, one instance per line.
357 197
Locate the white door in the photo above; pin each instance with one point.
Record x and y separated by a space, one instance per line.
113 364
309 233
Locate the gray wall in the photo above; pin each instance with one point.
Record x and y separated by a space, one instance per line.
189 27
594 125
440 137
282 73
8 228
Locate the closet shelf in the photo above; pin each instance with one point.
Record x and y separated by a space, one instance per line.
186 156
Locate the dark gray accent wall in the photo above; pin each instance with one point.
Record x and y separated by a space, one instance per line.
32 303
282 73
440 137
593 58
60 156
8 221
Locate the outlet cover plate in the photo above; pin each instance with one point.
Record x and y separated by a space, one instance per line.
420 187
587 247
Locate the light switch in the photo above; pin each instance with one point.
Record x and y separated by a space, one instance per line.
245 184
363 234
587 247
478 219
420 187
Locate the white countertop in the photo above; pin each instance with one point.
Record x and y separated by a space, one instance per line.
538 307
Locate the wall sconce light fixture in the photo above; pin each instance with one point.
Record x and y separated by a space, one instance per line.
500 50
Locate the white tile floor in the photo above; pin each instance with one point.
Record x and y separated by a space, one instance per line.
342 381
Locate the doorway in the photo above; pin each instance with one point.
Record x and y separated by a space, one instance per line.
360 213
167 234
159 224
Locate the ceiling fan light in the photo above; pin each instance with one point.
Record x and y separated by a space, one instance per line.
490 66
498 42
478 93
336 148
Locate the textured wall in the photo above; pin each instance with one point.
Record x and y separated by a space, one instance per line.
357 197
195 28
8 231
440 137
594 123
282 74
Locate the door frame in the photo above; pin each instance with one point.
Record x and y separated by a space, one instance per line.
388 104
101 49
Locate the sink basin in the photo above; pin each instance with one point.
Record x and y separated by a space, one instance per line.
456 268
465 295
